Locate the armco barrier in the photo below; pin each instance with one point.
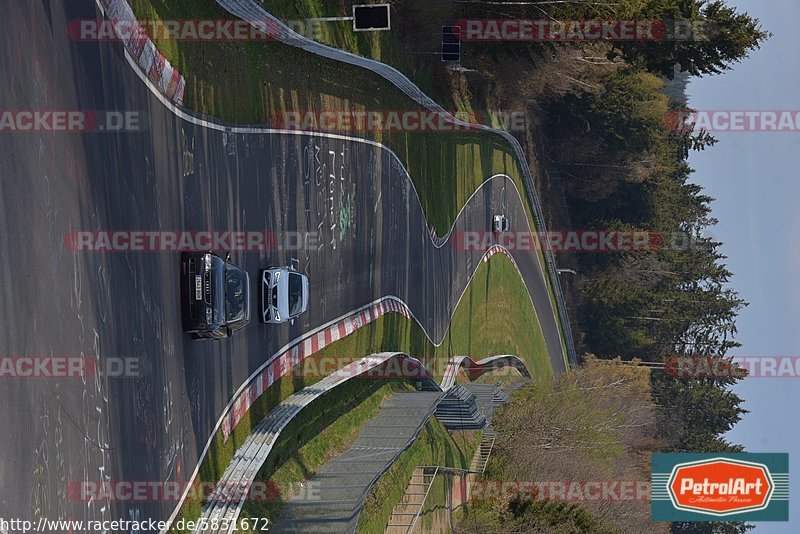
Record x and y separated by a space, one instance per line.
257 16
147 56
252 454
221 514
280 365
305 348
476 368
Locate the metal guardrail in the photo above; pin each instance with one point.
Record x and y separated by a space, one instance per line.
424 498
485 448
484 365
258 17
389 465
249 458
477 467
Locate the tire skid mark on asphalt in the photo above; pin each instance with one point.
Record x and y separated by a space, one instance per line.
50 423
100 446
93 423
154 314
245 394
103 283
187 154
131 271
42 469
371 257
175 445
296 351
295 153
144 406
193 391
97 377
396 165
51 215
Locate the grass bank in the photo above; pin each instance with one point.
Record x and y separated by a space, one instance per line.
434 446
257 82
495 316
481 326
416 58
327 428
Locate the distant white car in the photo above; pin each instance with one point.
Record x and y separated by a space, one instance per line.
500 224
284 294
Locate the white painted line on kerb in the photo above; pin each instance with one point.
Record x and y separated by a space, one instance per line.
255 130
205 123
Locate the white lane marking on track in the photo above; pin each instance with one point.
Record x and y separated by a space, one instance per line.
396 164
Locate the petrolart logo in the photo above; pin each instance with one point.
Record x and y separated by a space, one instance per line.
720 487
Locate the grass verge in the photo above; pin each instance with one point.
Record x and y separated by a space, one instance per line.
326 429
415 57
434 446
483 313
495 316
256 82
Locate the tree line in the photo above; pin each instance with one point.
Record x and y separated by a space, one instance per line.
624 166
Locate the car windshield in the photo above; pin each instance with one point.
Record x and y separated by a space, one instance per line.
235 284
295 294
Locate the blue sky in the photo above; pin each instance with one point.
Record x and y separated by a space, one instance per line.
755 178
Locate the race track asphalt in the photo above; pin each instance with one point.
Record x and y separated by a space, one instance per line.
177 175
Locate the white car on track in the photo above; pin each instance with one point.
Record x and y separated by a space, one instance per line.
500 224
284 294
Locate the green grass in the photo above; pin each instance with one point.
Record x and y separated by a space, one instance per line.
496 286
411 57
434 446
254 82
484 322
221 451
495 316
325 429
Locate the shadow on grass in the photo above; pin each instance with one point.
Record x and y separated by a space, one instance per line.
315 419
